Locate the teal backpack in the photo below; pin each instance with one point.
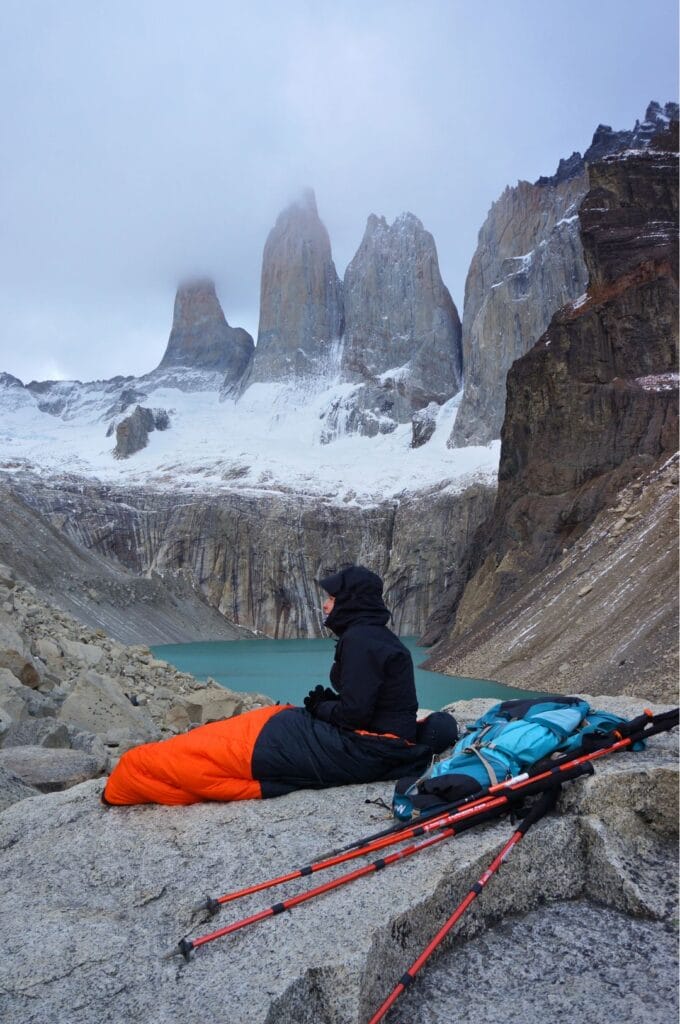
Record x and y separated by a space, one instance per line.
505 742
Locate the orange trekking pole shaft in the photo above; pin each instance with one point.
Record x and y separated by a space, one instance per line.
185 946
541 807
407 832
500 794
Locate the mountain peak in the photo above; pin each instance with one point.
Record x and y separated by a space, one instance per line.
300 296
200 337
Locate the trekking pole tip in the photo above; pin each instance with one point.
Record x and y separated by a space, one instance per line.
183 948
209 903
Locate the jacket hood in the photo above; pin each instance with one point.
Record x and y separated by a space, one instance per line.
358 598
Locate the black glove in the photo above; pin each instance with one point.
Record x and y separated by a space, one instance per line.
317 696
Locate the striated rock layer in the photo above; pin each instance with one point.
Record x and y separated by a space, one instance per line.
99 592
529 262
257 558
591 407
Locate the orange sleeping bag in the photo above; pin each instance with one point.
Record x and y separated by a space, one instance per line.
213 762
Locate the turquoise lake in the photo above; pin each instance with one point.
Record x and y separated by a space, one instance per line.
287 669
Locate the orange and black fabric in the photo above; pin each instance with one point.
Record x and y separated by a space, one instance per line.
212 762
262 753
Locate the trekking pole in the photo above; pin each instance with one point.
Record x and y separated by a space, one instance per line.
185 946
540 808
627 734
489 812
383 839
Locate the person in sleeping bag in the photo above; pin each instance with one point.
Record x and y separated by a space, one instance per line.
362 730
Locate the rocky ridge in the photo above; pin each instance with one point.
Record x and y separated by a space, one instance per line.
593 405
529 263
91 928
72 700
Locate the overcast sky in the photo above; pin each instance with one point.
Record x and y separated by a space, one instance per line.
148 140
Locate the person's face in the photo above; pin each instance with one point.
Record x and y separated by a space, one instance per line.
328 605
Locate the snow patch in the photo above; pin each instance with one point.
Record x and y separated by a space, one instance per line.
268 441
659 382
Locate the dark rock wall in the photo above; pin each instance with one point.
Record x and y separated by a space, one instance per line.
530 262
594 403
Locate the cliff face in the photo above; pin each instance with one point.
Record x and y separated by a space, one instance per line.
594 404
100 592
257 558
301 313
201 338
529 263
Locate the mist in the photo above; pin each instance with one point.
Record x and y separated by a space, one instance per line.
144 142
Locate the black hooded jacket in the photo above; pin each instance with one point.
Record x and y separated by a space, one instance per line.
372 671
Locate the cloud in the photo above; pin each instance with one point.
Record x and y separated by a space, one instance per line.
145 141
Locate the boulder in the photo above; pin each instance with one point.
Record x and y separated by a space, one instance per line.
509 973
11 700
211 706
37 732
79 739
22 667
47 650
88 654
13 655
13 789
98 705
50 770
